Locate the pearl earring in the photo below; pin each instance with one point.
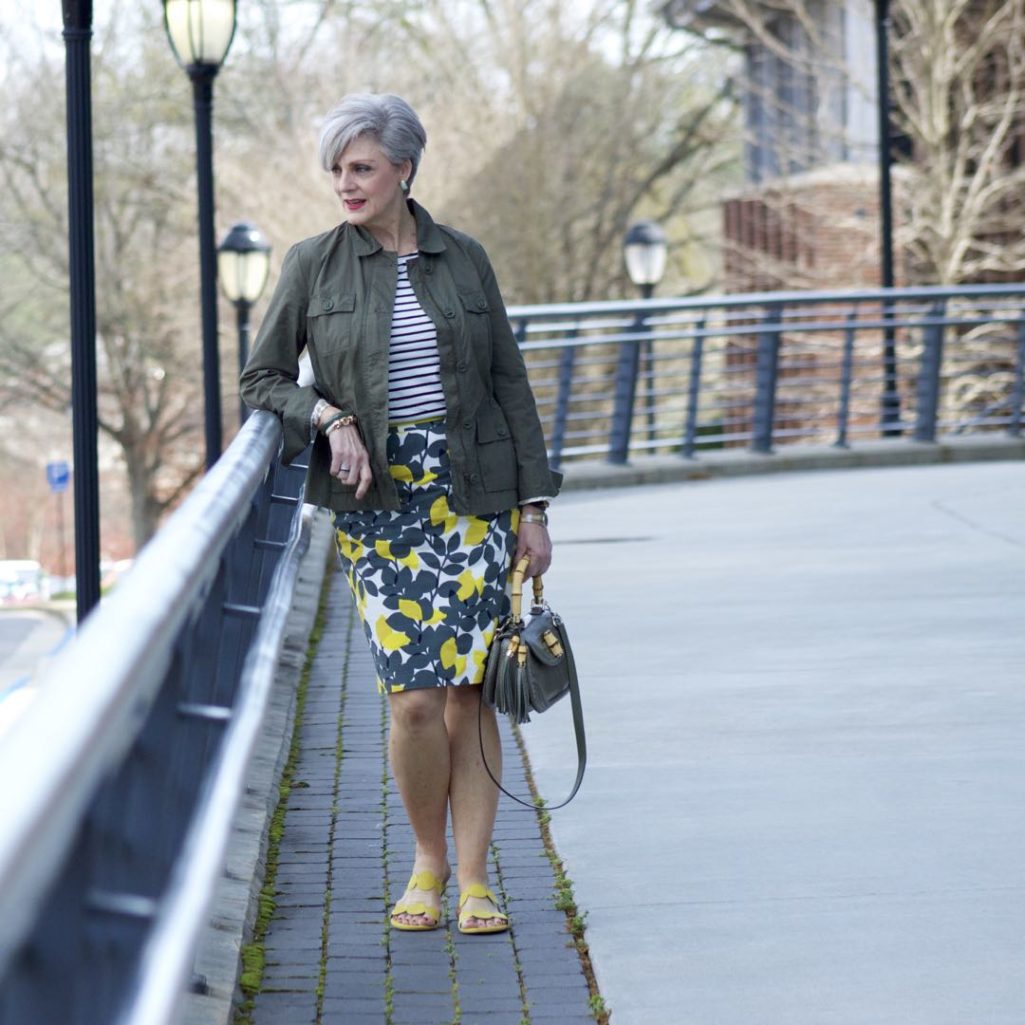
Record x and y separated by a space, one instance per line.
404 185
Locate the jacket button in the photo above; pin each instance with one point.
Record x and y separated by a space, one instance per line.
450 313
468 424
481 304
463 366
502 432
428 267
328 304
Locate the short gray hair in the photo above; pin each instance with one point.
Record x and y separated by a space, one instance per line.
388 119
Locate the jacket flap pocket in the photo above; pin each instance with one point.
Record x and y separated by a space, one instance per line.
474 302
491 425
326 303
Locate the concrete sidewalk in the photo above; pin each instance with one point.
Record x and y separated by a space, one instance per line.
803 692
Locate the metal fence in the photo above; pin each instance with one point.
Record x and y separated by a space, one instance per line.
121 781
618 379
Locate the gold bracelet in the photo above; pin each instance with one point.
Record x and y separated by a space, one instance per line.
336 421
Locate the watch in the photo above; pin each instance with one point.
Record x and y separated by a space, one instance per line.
533 517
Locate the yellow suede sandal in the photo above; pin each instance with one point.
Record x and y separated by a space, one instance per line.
481 891
419 881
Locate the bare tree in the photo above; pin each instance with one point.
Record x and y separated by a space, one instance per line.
148 373
959 74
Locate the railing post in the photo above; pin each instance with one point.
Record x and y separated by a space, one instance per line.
929 375
690 429
1018 391
843 414
766 372
566 361
627 367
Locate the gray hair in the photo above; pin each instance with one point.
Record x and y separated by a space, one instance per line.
388 119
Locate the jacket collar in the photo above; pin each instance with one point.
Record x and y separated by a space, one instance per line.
429 238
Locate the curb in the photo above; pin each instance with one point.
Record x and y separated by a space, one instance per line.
662 469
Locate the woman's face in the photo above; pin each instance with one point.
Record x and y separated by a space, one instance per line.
367 183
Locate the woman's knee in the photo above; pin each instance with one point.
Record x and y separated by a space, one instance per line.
416 710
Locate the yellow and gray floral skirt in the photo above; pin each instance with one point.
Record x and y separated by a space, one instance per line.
429 584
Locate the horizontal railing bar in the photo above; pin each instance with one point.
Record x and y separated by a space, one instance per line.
126 905
212 713
782 328
743 299
253 611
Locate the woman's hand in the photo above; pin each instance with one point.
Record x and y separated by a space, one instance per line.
532 541
350 462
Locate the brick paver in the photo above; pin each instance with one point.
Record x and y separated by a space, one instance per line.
345 857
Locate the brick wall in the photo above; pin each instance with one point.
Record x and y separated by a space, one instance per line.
814 231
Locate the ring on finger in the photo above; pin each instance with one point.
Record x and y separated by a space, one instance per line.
344 469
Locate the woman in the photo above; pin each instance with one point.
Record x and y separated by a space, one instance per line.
428 447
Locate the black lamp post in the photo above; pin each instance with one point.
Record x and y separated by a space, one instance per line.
78 23
200 33
644 250
890 401
243 264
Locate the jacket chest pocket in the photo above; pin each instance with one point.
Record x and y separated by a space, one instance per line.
331 320
477 317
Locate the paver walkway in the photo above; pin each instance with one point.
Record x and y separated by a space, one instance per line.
345 856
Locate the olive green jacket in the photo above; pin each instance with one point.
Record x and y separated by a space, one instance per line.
335 297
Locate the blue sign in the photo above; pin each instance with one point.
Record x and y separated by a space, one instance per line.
57 476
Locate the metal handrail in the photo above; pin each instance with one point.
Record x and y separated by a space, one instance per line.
167 958
741 299
682 375
130 661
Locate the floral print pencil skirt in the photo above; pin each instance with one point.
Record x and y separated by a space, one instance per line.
429 584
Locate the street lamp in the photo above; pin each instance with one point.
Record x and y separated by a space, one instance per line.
243 264
78 30
890 401
644 250
200 33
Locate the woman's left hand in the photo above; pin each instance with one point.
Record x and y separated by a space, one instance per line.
532 541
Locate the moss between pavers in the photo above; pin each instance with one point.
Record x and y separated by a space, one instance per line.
251 979
565 901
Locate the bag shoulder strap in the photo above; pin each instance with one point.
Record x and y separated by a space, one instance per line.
578 729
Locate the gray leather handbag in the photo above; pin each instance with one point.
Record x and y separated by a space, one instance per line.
530 667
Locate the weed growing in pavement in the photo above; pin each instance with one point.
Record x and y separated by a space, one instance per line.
564 899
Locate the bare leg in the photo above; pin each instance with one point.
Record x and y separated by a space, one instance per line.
418 746
473 796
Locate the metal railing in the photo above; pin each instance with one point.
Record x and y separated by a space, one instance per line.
618 379
121 780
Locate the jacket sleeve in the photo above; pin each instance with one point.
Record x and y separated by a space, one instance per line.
514 394
271 377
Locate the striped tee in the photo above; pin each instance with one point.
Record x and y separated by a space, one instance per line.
414 369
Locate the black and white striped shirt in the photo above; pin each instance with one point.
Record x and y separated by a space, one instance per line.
414 369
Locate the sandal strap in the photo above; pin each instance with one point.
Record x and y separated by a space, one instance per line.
482 892
425 880
417 907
